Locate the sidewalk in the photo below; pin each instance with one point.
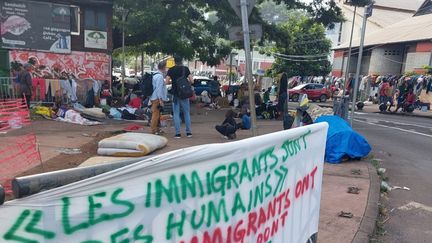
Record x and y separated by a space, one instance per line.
417 113
337 178
375 109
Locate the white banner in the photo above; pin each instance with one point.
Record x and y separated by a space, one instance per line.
262 189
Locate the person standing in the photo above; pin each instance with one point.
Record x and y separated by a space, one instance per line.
283 92
158 97
174 74
214 88
26 83
16 80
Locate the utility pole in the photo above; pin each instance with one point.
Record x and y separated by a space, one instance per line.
124 14
230 71
248 76
142 65
349 53
367 13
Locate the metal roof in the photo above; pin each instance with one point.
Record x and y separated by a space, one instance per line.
411 5
411 29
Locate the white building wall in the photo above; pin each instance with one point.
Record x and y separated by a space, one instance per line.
386 60
417 60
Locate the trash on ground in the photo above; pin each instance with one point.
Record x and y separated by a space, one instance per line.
402 188
385 186
353 190
356 172
90 135
69 151
381 171
133 127
345 214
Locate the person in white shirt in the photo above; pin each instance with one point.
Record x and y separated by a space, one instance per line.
158 97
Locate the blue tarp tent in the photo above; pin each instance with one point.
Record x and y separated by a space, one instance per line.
342 140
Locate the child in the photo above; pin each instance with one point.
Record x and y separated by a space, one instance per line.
245 123
229 126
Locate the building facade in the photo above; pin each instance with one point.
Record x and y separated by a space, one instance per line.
405 46
260 64
59 37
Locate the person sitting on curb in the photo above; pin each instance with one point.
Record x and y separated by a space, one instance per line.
229 126
245 123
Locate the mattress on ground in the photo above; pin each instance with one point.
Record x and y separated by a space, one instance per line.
131 144
343 141
94 112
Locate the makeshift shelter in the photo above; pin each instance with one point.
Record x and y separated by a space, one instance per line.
343 141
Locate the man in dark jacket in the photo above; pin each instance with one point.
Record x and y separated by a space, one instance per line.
26 83
229 126
173 75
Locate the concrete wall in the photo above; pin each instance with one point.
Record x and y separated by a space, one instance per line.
417 60
419 56
387 60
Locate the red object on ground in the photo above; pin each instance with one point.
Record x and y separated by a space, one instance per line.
133 127
135 103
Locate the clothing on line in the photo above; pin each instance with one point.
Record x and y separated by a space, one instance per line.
42 87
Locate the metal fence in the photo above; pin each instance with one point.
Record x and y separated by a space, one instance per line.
7 89
48 91
341 107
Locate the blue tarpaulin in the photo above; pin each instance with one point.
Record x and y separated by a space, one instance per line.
342 140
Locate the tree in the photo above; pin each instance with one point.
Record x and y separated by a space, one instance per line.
301 48
185 27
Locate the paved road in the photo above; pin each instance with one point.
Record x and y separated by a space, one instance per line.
405 146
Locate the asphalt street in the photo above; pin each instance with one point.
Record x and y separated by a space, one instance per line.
404 144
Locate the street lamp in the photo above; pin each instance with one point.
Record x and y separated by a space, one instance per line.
124 13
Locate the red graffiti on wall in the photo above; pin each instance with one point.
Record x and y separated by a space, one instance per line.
79 64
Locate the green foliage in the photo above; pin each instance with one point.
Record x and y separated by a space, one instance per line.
410 73
428 69
199 28
360 3
15 65
301 36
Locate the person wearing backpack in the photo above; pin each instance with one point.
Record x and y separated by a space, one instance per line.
181 79
158 97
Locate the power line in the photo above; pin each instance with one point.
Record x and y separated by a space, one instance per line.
300 56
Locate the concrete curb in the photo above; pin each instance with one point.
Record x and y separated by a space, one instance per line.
385 113
368 222
403 114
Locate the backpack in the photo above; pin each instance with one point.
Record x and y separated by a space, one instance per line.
184 88
146 85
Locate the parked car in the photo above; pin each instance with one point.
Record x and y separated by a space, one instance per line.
313 91
200 84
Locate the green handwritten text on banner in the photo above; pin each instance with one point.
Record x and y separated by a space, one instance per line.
255 190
